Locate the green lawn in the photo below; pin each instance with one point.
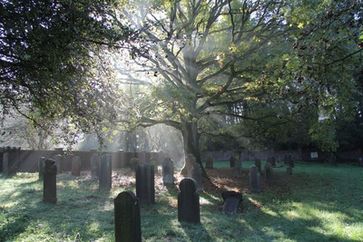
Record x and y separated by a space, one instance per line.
318 203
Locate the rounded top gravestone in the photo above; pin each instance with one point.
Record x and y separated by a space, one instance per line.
187 185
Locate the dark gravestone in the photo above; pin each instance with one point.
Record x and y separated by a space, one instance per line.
105 175
50 182
232 162
41 164
289 170
238 161
127 218
6 157
95 164
209 163
76 166
258 165
145 184
168 172
254 179
268 171
231 202
188 202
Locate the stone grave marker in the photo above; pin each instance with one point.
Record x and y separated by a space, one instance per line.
41 164
168 172
188 202
76 165
209 162
105 175
59 162
145 184
127 218
231 202
268 171
50 181
95 164
258 165
254 180
232 161
289 170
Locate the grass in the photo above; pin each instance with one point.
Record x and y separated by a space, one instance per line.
318 203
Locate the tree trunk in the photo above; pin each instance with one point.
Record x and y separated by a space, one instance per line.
191 144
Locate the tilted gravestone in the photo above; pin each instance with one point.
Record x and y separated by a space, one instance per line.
50 181
127 218
145 184
188 202
231 202
95 164
254 179
258 165
268 171
168 172
105 175
76 166
41 164
209 163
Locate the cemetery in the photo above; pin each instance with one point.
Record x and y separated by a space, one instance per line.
182 120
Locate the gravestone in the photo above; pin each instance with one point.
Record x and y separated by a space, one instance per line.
59 163
41 164
50 182
290 161
76 166
105 172
95 163
6 157
209 163
188 202
258 165
231 202
232 161
168 172
268 171
145 184
127 218
254 180
289 170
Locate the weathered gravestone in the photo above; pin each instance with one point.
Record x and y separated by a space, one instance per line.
50 182
41 164
105 175
209 163
268 171
95 164
168 172
258 165
188 202
254 179
59 162
127 218
289 170
231 202
145 184
76 165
